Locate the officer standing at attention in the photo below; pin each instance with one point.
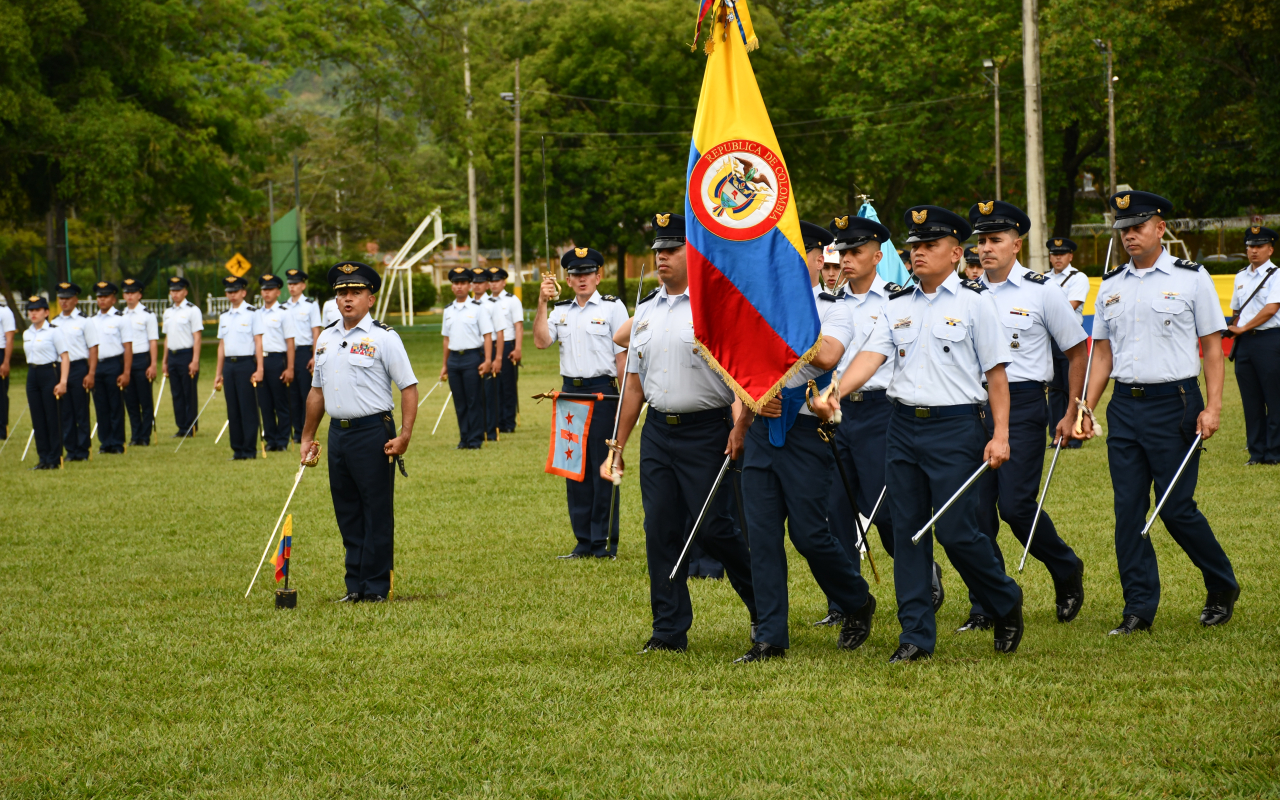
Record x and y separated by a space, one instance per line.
183 330
512 341
590 362
468 349
278 358
143 334
501 329
815 238
1075 285
357 360
1151 318
239 368
686 436
307 325
8 326
1033 314
47 369
1257 350
115 366
80 336
945 334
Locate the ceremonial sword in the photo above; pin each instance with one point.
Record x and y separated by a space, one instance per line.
972 478
192 426
1194 445
701 516
612 442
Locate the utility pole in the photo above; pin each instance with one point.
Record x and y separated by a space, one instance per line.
994 80
518 243
1111 121
302 220
1035 140
471 167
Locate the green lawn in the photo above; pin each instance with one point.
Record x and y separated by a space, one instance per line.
131 663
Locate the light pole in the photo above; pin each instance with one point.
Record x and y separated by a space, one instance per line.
514 99
1032 108
994 80
471 166
1105 49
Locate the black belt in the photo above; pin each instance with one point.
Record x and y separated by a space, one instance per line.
691 417
862 397
599 380
282 353
73 361
50 365
102 361
1022 386
466 352
1157 389
235 359
1254 332
934 412
173 350
358 422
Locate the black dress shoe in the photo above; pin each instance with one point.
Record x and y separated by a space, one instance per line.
761 652
1254 462
1131 624
568 556
353 597
656 645
938 595
832 618
977 622
609 556
909 652
1218 607
857 626
372 598
1009 629
1070 594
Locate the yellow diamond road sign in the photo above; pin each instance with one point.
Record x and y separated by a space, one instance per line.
238 265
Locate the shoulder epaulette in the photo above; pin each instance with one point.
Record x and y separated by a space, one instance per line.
475 302
1112 273
565 302
1183 264
973 286
383 325
250 307
51 325
608 298
652 294
331 324
828 297
892 287
905 290
1036 277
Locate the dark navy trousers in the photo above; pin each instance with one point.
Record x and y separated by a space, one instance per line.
45 420
273 399
491 393
362 481
464 384
242 407
1059 397
589 498
75 412
299 389
1147 438
860 440
1258 374
926 461
108 401
1011 492
509 386
4 400
678 466
182 388
787 489
139 401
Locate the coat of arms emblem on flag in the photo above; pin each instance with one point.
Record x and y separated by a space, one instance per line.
569 424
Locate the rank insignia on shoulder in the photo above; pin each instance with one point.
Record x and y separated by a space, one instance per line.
892 287
475 302
828 297
331 324
1036 277
564 302
1184 264
903 292
1112 273
380 324
649 296
973 286
608 298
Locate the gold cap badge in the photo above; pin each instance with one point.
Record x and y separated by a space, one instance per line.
348 268
918 217
1057 243
292 272
1254 229
987 207
663 220
68 286
102 284
34 299
1122 202
580 252
842 222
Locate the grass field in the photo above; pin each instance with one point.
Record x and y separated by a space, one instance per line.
132 665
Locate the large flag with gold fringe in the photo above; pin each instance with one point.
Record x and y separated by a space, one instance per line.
753 308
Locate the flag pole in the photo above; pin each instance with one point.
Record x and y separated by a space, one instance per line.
296 479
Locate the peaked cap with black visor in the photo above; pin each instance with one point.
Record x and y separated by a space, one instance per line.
994 216
668 232
929 223
851 232
814 235
1134 208
353 275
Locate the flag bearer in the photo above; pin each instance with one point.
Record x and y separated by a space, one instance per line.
502 329
306 327
687 433
80 336
468 349
183 331
589 362
115 366
512 341
1257 350
143 334
278 359
1033 314
1075 285
357 361
47 369
1152 319
239 368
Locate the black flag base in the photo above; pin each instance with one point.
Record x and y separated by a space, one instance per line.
286 598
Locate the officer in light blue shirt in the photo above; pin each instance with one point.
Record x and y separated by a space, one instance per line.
945 335
47 369
1152 318
498 319
81 337
468 350
240 368
513 340
144 334
1036 319
1255 300
306 327
278 359
115 365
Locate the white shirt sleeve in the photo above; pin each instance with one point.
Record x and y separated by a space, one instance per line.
313 316
7 322
153 328
1208 309
397 361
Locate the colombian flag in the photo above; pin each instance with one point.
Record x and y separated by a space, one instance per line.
753 308
281 558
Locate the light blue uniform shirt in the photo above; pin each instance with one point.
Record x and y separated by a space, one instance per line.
277 328
465 324
236 329
112 333
664 354
585 334
78 334
1246 281
1032 313
7 323
356 378
306 317
1075 285
330 313
941 347
143 328
837 322
1154 320
181 324
866 310
515 309
500 316
43 346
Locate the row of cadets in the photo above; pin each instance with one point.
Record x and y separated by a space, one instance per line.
467 330
143 333
1257 349
239 367
502 329
1075 285
183 327
278 359
307 324
80 335
48 366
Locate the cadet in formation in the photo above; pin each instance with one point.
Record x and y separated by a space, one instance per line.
1256 351
80 335
143 333
1033 314
816 239
1152 319
115 369
468 349
972 266
183 331
944 335
239 368
513 338
48 367
502 331
1075 285
278 359
357 361
590 362
687 434
8 327
307 325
